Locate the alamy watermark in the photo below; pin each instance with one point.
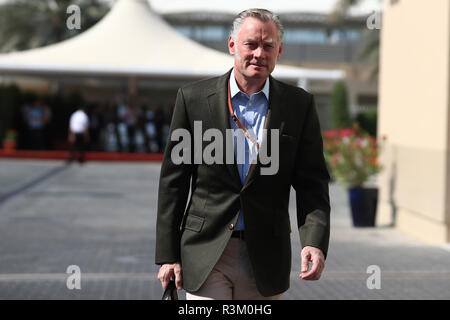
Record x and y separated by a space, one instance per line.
374 280
214 153
374 21
74 20
74 278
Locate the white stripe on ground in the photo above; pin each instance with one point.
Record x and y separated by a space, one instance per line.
152 276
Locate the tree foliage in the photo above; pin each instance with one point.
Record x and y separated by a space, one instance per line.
369 52
340 115
26 24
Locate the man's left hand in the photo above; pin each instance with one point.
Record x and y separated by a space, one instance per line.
317 258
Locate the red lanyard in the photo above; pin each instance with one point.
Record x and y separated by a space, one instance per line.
236 119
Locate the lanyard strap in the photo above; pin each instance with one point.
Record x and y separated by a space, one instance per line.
237 121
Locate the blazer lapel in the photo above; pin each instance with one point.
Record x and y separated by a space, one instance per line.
220 117
273 122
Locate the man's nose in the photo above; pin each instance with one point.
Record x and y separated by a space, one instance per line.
258 52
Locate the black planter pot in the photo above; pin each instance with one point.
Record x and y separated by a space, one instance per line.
363 202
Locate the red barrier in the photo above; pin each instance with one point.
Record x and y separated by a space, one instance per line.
89 156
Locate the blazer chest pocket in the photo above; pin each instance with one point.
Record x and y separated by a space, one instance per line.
285 138
194 223
287 142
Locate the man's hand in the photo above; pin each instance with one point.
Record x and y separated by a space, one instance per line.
168 271
317 258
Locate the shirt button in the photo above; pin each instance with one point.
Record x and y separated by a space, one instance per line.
231 226
249 104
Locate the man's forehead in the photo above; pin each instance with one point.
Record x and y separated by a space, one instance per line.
254 39
254 29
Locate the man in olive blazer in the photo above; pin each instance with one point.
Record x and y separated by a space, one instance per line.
199 203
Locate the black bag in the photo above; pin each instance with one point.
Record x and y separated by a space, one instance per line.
171 291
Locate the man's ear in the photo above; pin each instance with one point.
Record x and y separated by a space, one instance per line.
231 45
280 50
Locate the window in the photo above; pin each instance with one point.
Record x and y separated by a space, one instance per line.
184 30
210 33
304 36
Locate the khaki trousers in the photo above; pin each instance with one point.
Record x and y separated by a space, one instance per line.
231 278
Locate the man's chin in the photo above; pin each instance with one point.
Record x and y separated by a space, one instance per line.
260 73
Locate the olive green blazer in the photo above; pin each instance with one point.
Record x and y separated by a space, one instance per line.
197 203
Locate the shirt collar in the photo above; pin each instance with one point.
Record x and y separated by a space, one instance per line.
234 89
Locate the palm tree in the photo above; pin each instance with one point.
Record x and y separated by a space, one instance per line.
370 50
28 24
340 10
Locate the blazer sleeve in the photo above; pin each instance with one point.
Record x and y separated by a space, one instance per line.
173 191
311 179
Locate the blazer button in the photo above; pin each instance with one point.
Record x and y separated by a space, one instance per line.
231 226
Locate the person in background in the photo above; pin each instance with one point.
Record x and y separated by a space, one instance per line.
95 128
78 134
143 125
111 123
159 121
131 119
37 116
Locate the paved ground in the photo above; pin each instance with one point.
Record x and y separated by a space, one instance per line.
101 217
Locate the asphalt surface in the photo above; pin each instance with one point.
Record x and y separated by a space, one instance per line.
101 217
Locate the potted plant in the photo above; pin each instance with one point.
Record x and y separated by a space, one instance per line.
352 156
9 141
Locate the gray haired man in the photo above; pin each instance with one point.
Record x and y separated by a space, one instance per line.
231 238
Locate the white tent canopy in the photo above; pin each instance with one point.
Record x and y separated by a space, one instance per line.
132 40
324 7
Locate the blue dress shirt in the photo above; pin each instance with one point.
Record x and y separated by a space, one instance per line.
252 112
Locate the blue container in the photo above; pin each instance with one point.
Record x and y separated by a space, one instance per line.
363 202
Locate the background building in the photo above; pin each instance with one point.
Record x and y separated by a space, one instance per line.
130 57
316 36
414 115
